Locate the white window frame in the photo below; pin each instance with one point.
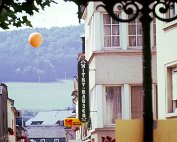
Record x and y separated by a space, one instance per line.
103 35
171 102
136 35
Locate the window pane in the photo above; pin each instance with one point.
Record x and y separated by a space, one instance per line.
136 102
106 19
107 41
115 41
132 40
113 104
139 40
114 21
111 32
132 30
139 29
107 30
115 30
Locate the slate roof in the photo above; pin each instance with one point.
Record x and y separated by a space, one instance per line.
50 117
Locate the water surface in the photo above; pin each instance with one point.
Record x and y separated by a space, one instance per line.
55 95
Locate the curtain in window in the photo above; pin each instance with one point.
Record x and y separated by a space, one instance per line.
136 102
111 31
113 104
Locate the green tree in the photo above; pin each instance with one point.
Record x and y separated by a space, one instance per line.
15 12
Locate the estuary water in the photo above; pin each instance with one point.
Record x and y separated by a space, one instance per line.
50 95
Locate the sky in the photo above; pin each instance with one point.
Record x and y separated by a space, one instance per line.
61 14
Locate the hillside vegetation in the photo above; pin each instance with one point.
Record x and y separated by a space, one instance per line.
55 59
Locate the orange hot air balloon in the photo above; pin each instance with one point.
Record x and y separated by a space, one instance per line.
35 39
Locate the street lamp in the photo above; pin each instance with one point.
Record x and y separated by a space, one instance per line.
145 10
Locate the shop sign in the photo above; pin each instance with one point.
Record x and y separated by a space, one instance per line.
83 91
69 122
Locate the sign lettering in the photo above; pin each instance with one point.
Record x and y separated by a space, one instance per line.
83 91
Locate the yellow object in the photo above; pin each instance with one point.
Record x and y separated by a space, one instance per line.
35 39
132 131
69 122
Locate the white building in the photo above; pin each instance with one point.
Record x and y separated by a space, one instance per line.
114 53
167 66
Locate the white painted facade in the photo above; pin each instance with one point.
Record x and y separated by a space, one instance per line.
113 66
166 61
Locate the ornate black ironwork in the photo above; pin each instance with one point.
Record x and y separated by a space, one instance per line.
145 10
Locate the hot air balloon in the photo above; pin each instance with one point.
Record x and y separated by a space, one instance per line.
35 39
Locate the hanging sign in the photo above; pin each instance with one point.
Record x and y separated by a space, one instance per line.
69 122
83 91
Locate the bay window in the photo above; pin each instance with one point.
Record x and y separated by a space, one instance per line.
111 32
113 104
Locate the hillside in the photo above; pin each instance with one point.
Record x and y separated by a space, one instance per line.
55 59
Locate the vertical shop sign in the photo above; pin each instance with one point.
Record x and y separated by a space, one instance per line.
83 91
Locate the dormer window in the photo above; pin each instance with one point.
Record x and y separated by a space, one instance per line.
36 122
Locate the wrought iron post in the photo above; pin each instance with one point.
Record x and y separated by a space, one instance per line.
148 9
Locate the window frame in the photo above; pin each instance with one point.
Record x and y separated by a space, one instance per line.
136 23
111 35
135 85
171 103
121 93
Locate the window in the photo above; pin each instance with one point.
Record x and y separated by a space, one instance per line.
56 140
113 104
42 140
136 102
172 89
60 122
36 122
111 32
171 11
134 33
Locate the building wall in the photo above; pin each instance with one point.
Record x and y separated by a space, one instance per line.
3 113
120 66
166 56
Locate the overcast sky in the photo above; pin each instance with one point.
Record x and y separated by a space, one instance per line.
61 14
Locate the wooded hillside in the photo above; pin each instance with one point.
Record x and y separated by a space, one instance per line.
56 59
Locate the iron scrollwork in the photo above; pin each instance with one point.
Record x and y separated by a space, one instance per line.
132 7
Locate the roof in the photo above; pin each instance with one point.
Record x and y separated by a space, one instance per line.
49 117
46 132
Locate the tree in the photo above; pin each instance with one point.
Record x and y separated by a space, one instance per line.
15 12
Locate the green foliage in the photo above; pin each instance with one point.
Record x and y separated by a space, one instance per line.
57 55
10 11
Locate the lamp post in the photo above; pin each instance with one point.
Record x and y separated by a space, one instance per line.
145 10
